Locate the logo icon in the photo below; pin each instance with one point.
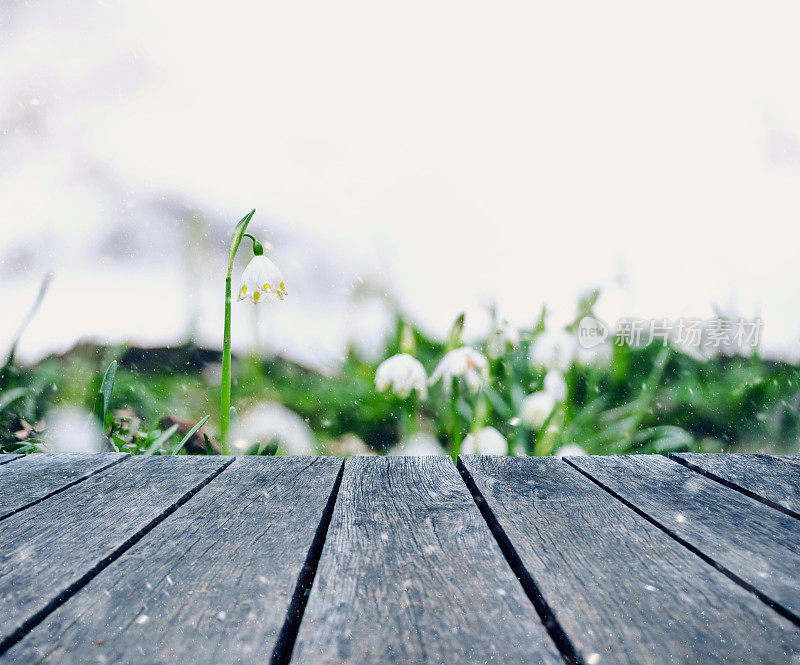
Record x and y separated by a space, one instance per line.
591 332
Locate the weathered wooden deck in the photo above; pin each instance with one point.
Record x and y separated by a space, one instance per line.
117 559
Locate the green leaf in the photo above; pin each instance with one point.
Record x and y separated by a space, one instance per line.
103 398
209 447
265 448
118 443
497 402
662 439
12 395
188 436
236 237
160 441
22 449
454 336
586 305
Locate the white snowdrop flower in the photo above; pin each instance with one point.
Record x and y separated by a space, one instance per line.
598 356
486 441
402 374
465 363
503 337
518 450
553 349
71 430
273 423
570 450
555 385
536 408
347 445
420 444
262 280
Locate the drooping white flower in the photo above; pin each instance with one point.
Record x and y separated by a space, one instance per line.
262 280
553 349
486 441
421 445
347 445
71 430
555 385
272 423
465 363
597 356
401 374
570 450
503 337
535 409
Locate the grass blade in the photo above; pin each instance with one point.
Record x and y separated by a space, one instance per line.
237 235
160 441
188 436
12 395
103 398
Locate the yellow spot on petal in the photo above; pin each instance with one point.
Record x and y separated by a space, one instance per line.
283 287
266 287
256 296
244 289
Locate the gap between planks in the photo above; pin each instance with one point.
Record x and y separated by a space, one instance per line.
287 636
283 650
736 487
29 624
786 614
546 615
72 483
289 630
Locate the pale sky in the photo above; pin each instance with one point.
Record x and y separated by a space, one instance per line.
461 152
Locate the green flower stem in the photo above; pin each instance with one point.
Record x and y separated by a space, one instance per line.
405 415
225 388
571 381
225 400
518 440
258 249
408 416
455 424
544 443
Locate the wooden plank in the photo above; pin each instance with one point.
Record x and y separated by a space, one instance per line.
6 458
756 544
210 584
761 477
38 477
795 459
621 590
54 547
410 573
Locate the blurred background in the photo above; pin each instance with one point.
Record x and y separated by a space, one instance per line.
518 161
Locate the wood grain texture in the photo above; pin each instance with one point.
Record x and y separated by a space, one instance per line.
621 589
6 458
39 476
211 584
49 548
765 478
410 573
794 459
757 544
